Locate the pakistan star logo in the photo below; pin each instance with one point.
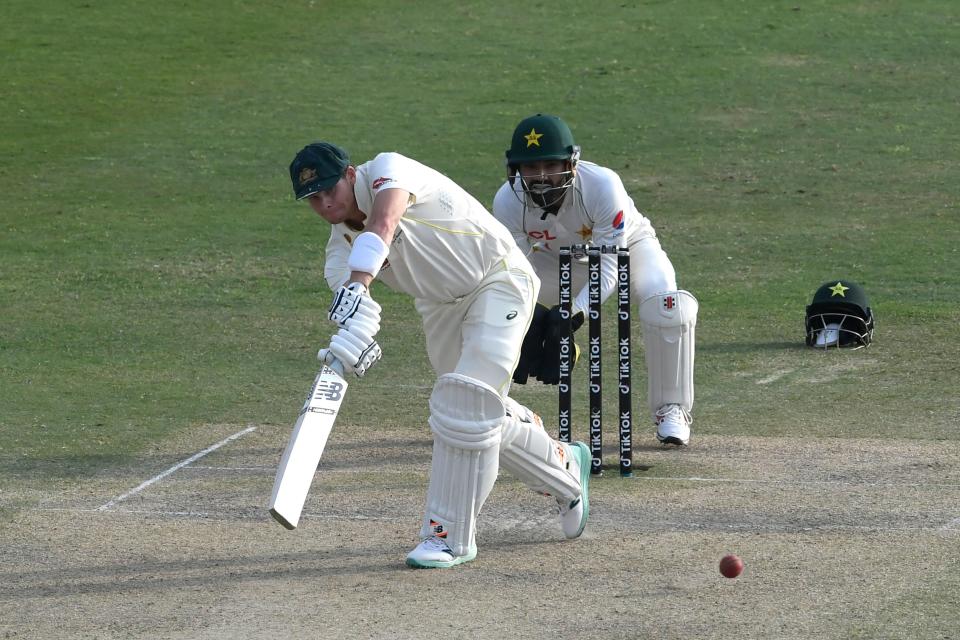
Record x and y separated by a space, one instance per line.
533 138
838 290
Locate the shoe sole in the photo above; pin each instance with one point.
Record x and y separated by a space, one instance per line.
671 439
441 564
585 459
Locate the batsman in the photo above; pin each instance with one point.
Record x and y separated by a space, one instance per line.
415 230
553 199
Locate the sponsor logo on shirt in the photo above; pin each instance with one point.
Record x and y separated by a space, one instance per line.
379 182
542 240
541 235
618 220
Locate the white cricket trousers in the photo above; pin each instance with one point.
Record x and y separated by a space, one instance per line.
480 334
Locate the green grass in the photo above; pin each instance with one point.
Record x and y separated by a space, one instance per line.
156 275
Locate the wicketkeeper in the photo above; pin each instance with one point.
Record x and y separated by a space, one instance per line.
418 232
552 199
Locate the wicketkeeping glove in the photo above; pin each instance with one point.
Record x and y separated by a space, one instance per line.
554 323
532 347
549 369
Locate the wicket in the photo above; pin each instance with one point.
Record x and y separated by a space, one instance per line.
593 254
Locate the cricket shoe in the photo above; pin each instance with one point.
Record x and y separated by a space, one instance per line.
673 425
574 513
435 553
516 410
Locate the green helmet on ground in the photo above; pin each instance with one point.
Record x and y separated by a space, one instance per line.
839 316
542 137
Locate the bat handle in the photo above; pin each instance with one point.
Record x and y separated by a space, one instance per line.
337 366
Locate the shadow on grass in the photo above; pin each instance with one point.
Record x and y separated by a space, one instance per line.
339 455
66 467
750 347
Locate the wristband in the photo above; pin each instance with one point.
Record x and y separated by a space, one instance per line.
368 253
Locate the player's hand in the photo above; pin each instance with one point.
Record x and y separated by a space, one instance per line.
356 351
532 348
351 304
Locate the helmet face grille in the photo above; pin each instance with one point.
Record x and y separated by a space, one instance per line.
840 330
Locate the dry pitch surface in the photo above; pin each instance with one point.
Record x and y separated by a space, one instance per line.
841 539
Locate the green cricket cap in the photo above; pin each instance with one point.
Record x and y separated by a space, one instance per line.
317 167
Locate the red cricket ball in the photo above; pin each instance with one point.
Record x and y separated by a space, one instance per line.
731 566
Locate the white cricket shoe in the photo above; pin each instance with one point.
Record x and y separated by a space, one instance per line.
673 425
434 553
516 410
574 513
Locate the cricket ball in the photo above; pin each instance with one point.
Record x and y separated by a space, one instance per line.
731 566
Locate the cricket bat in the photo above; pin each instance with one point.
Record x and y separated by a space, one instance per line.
302 455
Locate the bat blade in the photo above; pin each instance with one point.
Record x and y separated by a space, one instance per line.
305 447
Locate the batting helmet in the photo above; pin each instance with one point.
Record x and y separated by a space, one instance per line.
839 316
542 137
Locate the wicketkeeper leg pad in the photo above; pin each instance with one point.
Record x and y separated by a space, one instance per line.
466 417
536 459
669 322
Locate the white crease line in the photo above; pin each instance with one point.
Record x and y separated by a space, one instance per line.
226 514
357 516
256 468
394 468
847 483
172 469
836 483
951 527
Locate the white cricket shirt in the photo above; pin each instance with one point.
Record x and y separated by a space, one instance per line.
445 243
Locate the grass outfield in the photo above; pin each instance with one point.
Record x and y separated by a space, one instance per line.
158 285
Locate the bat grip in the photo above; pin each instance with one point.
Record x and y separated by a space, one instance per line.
337 366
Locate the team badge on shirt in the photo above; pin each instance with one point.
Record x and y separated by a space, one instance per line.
379 182
618 220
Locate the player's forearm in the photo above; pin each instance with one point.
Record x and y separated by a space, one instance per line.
370 248
362 277
388 207
608 283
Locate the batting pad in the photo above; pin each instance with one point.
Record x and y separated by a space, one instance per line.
669 322
466 417
536 459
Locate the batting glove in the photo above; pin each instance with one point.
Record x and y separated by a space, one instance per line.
353 303
357 353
